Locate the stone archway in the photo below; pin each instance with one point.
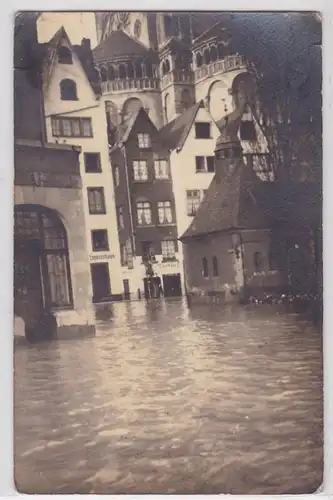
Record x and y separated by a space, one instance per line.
41 269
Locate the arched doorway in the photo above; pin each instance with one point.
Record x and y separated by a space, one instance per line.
41 263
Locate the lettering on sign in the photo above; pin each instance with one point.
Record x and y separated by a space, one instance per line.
103 256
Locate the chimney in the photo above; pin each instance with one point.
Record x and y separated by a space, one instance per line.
86 44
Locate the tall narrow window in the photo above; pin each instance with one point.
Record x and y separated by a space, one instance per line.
144 141
123 255
99 240
258 262
200 165
64 55
116 176
92 162
140 170
161 169
164 212
192 201
215 266
96 200
168 249
205 267
144 213
121 217
68 90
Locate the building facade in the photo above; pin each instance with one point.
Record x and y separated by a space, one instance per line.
75 115
52 285
146 214
227 247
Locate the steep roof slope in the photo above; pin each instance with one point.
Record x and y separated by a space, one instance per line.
174 134
118 44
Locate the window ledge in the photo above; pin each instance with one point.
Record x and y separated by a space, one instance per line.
166 224
171 259
101 250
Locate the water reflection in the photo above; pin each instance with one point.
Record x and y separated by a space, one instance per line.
166 399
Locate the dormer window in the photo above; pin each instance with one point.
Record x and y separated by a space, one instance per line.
202 130
144 141
68 90
65 55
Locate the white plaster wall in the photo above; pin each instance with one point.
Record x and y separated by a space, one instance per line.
88 106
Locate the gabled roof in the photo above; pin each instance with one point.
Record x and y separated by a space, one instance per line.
175 133
126 127
117 45
49 51
230 203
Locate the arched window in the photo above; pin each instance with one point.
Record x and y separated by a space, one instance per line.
198 59
213 53
150 71
215 266
41 260
164 70
111 72
258 262
207 56
68 90
221 51
104 74
130 70
167 65
122 71
138 70
205 267
166 107
64 55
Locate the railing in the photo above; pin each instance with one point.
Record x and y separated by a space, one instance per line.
229 63
126 84
177 76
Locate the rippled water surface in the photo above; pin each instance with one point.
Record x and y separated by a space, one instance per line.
166 400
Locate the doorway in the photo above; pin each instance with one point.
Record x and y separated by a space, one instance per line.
172 285
127 293
100 282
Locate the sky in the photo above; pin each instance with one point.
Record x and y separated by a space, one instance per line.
77 24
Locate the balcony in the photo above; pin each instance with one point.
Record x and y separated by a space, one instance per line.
225 65
48 165
177 76
128 84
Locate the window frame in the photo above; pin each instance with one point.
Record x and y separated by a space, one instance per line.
99 165
116 176
205 268
215 267
191 213
120 217
167 258
205 169
91 191
49 230
143 140
139 164
68 85
143 208
104 249
157 163
63 59
166 206
71 120
197 127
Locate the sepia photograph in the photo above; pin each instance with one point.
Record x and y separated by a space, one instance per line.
168 256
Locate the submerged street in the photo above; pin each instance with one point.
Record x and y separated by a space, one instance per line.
167 400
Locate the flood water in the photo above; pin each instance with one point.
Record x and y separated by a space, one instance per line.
167 400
